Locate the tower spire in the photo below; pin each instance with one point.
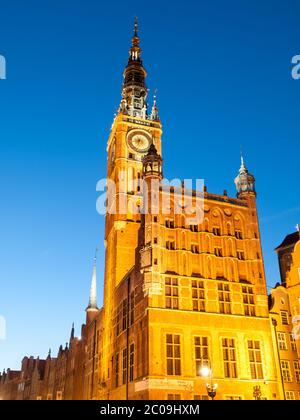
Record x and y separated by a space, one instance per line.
93 291
72 333
134 92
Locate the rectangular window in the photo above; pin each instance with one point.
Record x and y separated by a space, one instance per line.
119 320
170 245
224 298
293 342
282 341
117 369
170 224
284 318
229 358
201 353
241 255
233 398
297 371
290 395
255 359
218 252
286 371
174 397
173 355
117 324
238 234
131 314
201 398
195 249
248 300
124 315
171 293
124 366
194 228
131 363
217 231
198 295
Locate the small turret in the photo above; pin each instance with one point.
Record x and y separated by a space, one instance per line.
245 182
152 164
154 113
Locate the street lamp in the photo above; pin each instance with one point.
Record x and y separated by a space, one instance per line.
207 372
257 393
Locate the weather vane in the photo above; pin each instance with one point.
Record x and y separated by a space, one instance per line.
136 26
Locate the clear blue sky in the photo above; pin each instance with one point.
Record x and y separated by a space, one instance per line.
223 73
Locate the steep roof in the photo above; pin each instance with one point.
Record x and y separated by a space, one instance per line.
289 240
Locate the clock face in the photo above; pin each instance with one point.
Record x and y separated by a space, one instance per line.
139 141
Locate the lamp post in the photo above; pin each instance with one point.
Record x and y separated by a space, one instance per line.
257 393
207 372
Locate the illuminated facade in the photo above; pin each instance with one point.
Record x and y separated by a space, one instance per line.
179 295
284 313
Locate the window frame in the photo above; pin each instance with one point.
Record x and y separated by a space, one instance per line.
255 359
229 355
172 296
173 354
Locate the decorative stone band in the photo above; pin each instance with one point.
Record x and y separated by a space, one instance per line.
168 384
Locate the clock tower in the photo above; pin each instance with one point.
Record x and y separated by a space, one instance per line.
133 131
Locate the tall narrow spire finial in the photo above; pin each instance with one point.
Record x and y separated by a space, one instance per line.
154 113
72 332
243 167
136 26
93 291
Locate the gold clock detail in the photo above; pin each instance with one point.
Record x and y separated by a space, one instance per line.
139 141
